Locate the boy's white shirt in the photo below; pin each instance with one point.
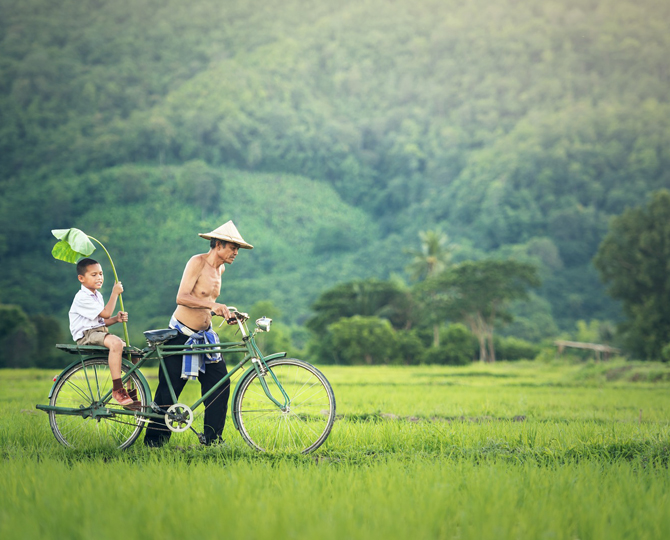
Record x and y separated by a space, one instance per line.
84 312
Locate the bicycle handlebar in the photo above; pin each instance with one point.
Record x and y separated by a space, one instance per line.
237 316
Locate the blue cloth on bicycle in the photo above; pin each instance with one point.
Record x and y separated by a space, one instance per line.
193 364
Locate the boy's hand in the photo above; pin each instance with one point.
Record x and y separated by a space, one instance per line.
122 316
117 289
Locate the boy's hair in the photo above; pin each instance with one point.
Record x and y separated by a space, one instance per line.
84 264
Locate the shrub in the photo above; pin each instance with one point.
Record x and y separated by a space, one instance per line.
512 348
363 340
410 349
665 353
17 338
49 333
457 348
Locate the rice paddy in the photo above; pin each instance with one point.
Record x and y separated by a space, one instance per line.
512 450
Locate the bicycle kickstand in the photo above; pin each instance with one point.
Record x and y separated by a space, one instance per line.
201 436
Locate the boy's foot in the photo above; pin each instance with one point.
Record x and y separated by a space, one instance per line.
134 406
122 397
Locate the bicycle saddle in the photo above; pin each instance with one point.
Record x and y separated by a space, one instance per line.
156 337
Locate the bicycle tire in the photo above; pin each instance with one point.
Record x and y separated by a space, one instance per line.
303 426
79 388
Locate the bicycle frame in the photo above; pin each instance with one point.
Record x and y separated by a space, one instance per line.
159 351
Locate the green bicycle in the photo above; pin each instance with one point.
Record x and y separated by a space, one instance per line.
279 403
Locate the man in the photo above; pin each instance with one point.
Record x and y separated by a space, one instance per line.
196 300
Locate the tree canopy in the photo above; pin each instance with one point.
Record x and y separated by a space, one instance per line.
432 257
367 298
342 128
634 260
479 293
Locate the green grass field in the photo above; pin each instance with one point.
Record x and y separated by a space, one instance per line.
513 450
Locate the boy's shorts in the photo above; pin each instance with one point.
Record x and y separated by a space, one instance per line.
94 336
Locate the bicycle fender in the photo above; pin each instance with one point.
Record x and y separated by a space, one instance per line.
126 363
244 376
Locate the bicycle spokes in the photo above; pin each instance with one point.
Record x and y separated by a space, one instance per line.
302 424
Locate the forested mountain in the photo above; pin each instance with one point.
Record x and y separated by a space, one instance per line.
332 132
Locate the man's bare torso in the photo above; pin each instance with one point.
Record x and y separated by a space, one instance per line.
207 287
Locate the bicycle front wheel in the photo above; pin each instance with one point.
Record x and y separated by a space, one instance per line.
305 420
100 424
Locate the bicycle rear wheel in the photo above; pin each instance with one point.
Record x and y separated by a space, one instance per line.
303 425
82 388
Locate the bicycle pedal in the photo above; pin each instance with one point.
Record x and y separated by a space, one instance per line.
157 409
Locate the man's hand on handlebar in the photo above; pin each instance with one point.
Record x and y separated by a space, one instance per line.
221 310
234 315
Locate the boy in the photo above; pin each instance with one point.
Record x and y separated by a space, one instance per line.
90 317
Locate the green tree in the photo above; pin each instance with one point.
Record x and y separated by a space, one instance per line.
458 348
363 340
479 293
513 348
409 347
368 297
634 260
432 258
200 186
49 333
278 339
17 338
405 131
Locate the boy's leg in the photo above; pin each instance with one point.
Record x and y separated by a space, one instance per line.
158 434
130 386
115 345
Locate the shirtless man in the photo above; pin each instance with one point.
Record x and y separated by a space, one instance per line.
196 300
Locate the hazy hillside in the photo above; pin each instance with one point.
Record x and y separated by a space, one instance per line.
305 237
332 132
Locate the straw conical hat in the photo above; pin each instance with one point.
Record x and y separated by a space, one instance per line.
229 233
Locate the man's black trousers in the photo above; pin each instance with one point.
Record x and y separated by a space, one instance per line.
216 405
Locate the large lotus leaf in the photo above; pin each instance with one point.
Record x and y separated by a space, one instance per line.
73 245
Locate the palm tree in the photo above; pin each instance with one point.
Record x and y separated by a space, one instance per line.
432 258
